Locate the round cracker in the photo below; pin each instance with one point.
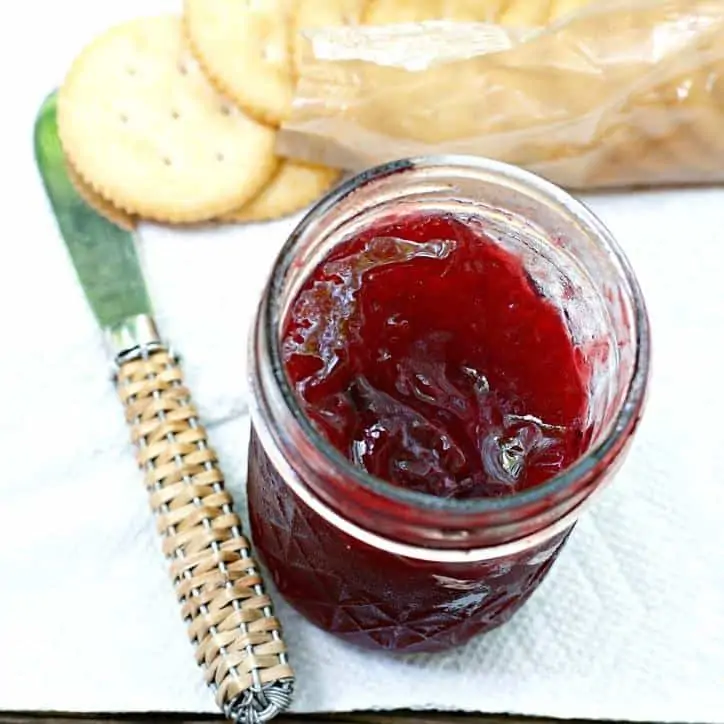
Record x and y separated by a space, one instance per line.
310 14
389 12
510 13
245 48
295 186
525 14
145 129
565 8
99 204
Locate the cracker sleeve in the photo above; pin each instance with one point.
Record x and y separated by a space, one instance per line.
618 93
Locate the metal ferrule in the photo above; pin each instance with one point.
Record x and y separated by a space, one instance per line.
129 338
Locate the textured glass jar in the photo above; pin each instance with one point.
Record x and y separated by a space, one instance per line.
385 567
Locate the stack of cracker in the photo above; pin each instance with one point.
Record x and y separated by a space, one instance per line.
174 119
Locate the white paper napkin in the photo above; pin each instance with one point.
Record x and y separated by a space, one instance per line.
630 623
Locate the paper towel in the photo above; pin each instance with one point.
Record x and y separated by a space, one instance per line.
630 623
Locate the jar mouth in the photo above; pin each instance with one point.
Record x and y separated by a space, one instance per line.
625 420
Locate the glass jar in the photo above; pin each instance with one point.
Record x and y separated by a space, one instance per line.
384 567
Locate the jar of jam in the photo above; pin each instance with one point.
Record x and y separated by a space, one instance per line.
449 360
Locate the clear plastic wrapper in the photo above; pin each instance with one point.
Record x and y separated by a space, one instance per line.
612 94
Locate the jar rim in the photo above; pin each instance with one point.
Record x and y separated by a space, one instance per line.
624 421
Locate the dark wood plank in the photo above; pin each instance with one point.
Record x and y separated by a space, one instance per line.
397 717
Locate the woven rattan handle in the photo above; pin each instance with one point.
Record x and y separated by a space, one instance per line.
230 619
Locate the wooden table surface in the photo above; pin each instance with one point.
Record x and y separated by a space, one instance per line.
397 717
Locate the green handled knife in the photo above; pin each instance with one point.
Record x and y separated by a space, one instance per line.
230 618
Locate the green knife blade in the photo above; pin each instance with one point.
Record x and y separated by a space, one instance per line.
103 254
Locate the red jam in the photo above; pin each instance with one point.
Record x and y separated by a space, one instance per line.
425 353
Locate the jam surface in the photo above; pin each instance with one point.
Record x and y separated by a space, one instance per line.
425 354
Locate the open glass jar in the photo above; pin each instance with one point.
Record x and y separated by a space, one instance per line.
386 567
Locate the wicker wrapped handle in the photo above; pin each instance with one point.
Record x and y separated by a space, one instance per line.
230 619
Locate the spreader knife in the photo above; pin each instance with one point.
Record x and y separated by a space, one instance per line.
230 618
